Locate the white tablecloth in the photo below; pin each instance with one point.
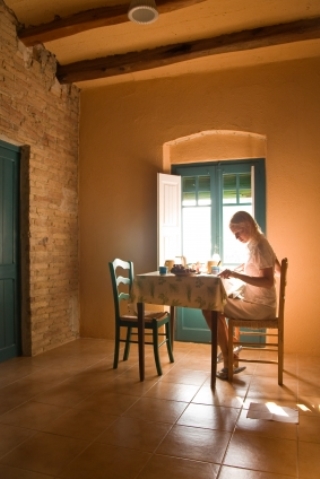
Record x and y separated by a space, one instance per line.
202 291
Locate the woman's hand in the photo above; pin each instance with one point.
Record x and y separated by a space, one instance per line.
231 273
226 274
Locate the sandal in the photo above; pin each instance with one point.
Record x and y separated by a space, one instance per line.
237 349
236 352
223 373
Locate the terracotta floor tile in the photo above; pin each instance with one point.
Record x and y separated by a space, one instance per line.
32 415
185 376
268 454
81 424
197 363
308 388
309 405
37 382
309 460
160 467
67 414
174 392
240 381
211 417
158 410
266 370
11 436
16 370
236 473
108 402
309 429
8 472
265 389
64 395
45 453
195 443
11 401
100 461
225 395
259 383
130 384
135 434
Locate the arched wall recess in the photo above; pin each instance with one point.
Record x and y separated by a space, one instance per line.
213 145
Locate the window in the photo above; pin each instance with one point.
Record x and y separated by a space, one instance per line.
210 195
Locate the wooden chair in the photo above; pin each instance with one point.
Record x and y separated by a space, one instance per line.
273 323
121 286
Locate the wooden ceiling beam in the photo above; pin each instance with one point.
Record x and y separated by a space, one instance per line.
166 55
90 19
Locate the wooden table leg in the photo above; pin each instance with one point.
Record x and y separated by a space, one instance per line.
172 321
214 348
140 307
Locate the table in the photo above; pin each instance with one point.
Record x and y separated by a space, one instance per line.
203 291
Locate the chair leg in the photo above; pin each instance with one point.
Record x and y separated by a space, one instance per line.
280 359
156 348
127 346
116 348
230 351
168 338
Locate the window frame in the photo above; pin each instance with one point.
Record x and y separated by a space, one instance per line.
216 169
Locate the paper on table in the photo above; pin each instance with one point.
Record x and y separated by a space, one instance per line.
273 412
233 287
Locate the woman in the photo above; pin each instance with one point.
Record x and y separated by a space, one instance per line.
258 298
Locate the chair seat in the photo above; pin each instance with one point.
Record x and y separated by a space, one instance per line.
255 323
148 317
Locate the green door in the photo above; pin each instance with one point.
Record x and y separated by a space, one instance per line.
9 278
210 195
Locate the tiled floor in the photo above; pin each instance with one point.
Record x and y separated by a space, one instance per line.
67 414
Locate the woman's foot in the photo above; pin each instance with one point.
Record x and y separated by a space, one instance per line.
236 352
223 373
237 349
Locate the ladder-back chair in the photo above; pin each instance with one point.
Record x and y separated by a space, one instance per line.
122 276
275 324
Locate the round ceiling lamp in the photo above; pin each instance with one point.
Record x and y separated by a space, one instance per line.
143 11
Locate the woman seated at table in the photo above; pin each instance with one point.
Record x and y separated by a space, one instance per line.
258 296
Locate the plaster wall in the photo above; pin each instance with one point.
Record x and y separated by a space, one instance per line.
129 132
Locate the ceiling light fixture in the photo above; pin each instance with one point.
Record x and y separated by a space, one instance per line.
143 11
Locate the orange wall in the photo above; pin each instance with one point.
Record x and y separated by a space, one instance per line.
122 132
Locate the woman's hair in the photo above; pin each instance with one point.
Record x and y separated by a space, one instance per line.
244 220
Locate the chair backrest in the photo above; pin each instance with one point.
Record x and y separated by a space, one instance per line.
121 285
282 288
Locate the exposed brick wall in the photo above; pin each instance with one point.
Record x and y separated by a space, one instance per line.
40 115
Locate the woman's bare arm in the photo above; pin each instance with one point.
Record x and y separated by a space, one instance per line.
266 280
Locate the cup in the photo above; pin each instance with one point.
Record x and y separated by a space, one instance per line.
163 270
210 265
169 263
215 270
